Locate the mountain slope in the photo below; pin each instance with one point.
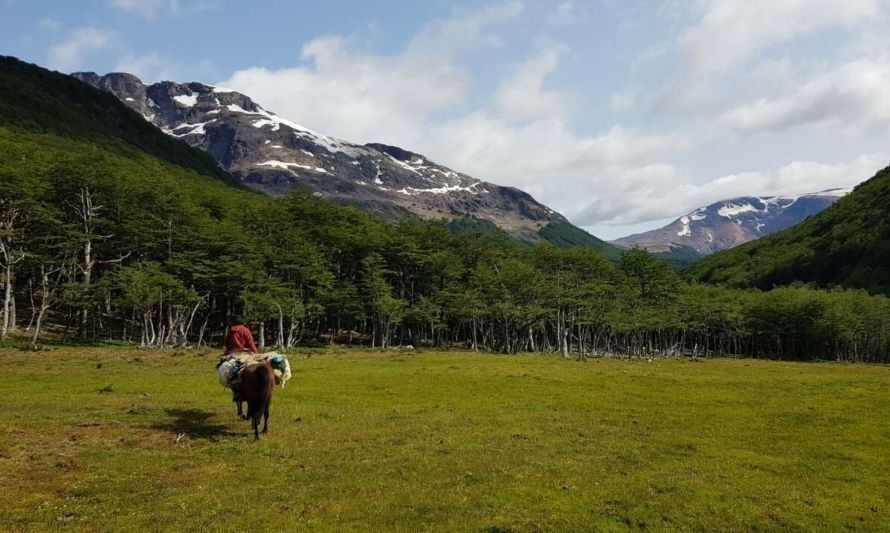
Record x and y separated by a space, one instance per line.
729 223
35 99
273 155
847 245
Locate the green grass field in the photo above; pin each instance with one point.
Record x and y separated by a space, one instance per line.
119 439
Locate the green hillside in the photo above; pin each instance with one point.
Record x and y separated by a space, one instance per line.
40 101
847 245
565 235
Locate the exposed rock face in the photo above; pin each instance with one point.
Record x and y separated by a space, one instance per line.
272 154
732 222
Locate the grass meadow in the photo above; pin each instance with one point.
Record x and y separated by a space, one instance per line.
120 439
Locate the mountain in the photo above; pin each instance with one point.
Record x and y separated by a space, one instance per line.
269 153
847 244
729 223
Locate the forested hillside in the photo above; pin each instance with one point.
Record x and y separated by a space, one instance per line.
847 245
104 236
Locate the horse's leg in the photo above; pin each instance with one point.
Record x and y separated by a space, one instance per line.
238 404
255 420
266 420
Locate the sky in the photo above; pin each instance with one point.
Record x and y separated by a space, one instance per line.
621 114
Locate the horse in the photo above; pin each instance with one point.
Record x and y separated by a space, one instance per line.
255 388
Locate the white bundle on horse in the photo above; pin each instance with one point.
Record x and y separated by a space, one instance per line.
278 361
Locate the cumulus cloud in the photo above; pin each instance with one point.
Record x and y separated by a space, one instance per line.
357 96
69 54
730 35
366 97
525 133
521 95
857 94
733 33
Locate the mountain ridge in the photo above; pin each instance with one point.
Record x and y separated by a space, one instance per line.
272 154
728 223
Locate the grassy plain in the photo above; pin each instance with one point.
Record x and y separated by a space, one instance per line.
121 439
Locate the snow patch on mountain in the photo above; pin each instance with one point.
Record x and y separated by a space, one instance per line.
731 222
187 100
730 210
685 231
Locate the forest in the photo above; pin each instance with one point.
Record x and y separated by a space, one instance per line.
104 242
111 231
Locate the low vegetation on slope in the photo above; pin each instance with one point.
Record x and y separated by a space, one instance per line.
847 245
103 439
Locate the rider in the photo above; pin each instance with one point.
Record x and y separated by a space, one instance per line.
239 343
239 338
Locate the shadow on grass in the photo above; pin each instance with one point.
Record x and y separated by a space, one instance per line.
195 423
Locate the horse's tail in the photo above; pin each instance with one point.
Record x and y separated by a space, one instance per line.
265 382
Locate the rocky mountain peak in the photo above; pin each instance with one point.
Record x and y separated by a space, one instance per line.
731 222
273 154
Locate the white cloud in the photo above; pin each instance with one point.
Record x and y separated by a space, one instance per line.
49 24
69 54
622 101
416 98
357 96
523 133
567 13
857 94
151 9
729 35
521 95
664 193
366 97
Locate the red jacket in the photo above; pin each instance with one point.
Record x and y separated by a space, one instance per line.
239 338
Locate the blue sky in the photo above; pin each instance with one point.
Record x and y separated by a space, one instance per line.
621 114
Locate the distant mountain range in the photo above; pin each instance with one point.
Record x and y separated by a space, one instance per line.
729 223
273 154
846 245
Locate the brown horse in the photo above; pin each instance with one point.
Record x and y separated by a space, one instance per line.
255 388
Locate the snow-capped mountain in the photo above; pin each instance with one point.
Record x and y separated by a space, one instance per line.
272 154
729 223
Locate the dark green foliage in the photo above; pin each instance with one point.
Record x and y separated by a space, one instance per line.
565 235
846 245
680 256
36 100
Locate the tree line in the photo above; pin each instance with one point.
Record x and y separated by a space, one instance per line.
99 245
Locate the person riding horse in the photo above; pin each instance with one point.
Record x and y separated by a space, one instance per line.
239 346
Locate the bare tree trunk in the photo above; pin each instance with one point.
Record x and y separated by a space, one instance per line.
262 333
7 297
280 338
564 343
475 343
